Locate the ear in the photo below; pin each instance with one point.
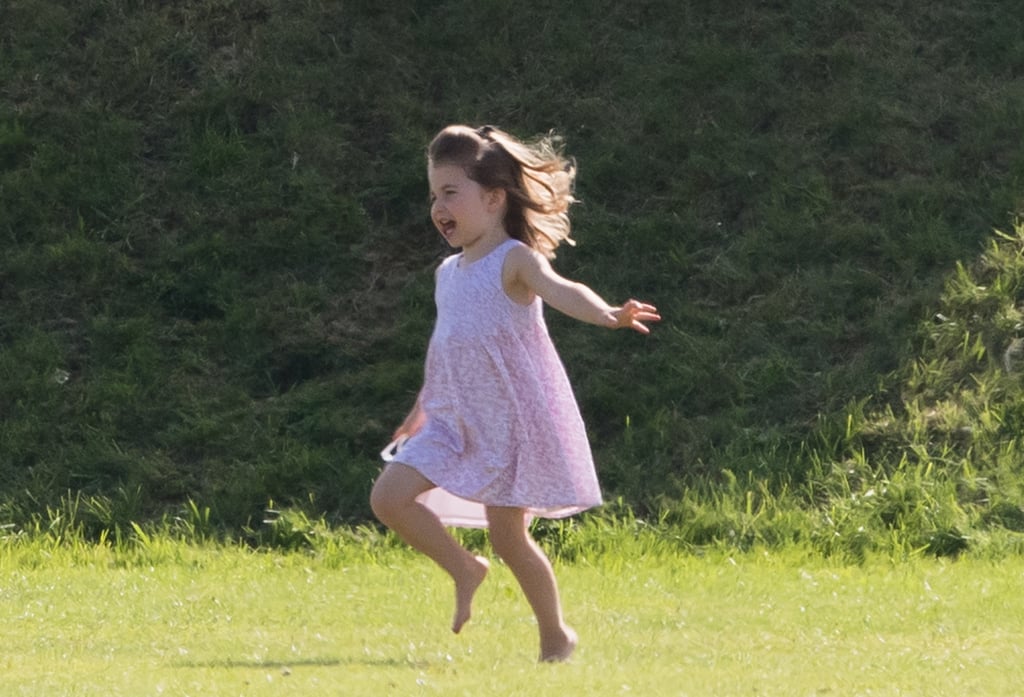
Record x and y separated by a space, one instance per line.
496 199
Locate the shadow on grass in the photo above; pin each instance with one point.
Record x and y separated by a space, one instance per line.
324 662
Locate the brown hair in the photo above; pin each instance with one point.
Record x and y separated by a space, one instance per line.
537 179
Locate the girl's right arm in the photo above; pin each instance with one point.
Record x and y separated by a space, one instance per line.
413 422
417 417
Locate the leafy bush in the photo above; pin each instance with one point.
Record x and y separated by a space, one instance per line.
218 265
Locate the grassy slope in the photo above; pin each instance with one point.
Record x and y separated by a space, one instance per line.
214 223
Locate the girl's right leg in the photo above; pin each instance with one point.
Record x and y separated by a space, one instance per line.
393 500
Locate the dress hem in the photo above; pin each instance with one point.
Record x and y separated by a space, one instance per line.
458 512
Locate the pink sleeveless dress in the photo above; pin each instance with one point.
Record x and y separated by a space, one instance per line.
502 425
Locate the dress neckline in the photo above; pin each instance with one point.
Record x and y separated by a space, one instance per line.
464 265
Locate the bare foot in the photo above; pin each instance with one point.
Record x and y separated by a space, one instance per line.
465 589
561 648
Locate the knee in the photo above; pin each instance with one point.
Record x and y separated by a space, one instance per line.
383 502
395 492
390 496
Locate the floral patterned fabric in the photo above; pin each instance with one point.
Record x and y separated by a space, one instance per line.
502 425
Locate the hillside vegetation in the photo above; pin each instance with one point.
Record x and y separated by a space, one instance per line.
215 287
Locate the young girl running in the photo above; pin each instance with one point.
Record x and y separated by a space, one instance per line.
495 437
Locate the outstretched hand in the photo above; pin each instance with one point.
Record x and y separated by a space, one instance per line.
633 314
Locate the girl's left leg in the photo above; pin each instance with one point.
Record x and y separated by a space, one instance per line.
511 540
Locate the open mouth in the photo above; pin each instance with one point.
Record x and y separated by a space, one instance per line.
447 227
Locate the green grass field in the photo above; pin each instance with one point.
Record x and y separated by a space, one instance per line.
201 620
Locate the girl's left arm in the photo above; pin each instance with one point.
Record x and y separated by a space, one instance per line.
532 272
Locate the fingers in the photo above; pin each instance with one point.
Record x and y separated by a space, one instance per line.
638 312
632 315
645 307
411 426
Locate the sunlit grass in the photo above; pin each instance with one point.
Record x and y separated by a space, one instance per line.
208 620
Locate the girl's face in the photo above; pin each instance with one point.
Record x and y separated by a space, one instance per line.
463 211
